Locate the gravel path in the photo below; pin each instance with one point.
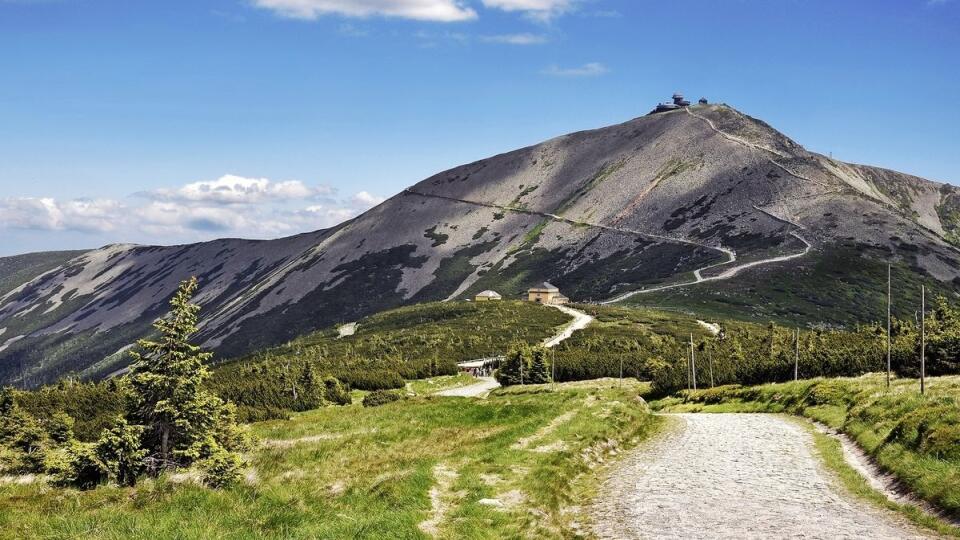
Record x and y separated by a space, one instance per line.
483 387
734 476
580 321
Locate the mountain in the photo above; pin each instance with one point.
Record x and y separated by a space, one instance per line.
703 193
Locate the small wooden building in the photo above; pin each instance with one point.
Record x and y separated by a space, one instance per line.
546 293
487 296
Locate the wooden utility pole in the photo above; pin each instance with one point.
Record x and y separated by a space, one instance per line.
693 363
923 339
889 342
796 357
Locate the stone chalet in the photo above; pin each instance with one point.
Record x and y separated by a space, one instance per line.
545 293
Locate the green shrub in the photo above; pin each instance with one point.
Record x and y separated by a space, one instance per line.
76 465
25 440
121 453
221 469
59 427
336 392
375 379
380 397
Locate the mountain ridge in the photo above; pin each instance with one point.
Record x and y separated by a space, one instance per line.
600 213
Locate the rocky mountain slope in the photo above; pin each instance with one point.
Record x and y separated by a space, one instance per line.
699 194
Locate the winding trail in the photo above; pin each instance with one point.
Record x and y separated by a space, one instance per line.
729 254
727 274
485 384
580 321
734 476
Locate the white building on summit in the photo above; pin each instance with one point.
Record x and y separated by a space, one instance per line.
678 103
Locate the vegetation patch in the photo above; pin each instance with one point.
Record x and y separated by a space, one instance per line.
359 472
438 239
587 186
413 342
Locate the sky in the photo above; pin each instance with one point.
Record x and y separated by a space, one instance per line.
159 122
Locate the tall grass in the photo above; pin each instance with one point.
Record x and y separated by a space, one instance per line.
354 472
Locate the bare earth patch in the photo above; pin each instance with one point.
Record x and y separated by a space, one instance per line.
525 442
439 499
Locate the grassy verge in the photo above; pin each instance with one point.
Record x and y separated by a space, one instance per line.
914 437
422 387
831 453
504 467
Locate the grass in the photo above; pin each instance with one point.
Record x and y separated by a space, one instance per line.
438 384
843 285
914 437
831 454
358 472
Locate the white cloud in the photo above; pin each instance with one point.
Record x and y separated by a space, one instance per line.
48 214
232 189
592 69
365 199
516 39
423 10
231 206
542 10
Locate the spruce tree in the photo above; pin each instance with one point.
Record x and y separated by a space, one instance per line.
539 371
183 421
515 367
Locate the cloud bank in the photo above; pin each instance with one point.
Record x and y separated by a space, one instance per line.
231 205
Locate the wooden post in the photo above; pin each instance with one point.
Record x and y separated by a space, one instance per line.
693 363
620 385
889 342
923 339
796 358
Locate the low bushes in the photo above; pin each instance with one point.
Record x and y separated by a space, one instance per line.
380 397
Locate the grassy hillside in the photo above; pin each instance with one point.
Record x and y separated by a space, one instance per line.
841 286
18 269
915 437
513 465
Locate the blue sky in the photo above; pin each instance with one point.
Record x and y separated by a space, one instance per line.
165 122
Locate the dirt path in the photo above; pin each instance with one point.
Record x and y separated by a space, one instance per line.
734 476
580 321
727 274
480 389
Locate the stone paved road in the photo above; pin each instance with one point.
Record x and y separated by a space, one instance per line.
734 476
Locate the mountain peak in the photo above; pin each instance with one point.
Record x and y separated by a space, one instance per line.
698 198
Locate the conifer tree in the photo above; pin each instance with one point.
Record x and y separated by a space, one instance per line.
515 368
539 371
183 421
